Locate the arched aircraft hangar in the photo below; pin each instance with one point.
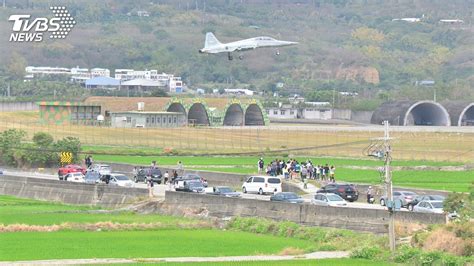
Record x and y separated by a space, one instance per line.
198 111
412 113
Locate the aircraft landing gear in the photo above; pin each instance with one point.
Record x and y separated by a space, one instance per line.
229 55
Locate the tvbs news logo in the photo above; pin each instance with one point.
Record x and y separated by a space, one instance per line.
26 29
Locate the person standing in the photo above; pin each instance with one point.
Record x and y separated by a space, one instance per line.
166 176
260 165
150 185
332 173
180 168
370 193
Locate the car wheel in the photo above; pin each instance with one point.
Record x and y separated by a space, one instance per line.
410 207
382 202
244 190
159 182
135 179
260 191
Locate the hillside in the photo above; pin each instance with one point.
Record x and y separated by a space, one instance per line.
344 45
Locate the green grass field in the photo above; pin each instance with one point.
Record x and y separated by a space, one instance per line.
169 240
140 244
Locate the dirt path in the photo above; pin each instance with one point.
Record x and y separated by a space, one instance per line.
314 255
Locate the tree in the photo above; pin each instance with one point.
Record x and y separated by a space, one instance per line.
43 140
10 143
16 67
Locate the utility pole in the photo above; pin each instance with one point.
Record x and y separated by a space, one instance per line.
388 183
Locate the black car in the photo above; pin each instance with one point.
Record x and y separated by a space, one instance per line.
192 186
290 197
345 191
179 180
143 174
417 200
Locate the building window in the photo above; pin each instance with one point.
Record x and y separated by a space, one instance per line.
282 112
275 112
152 119
169 120
292 112
129 119
175 119
147 120
268 112
158 120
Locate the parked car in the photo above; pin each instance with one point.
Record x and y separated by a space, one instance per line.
120 180
429 206
180 179
405 197
346 191
328 199
289 197
417 200
262 185
143 174
92 177
223 191
70 168
192 186
102 169
75 177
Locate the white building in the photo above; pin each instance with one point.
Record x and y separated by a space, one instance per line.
76 73
317 113
284 112
239 92
169 81
100 72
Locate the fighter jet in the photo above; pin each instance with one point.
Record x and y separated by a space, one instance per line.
213 46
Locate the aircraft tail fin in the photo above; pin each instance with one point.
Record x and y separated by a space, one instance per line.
211 40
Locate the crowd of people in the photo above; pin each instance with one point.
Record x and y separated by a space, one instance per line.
292 169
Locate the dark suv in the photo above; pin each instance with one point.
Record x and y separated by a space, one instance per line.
346 191
143 174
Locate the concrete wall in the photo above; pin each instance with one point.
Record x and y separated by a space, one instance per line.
376 221
18 106
343 114
69 192
362 116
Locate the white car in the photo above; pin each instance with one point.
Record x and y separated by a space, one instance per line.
75 177
120 180
102 169
429 206
328 199
262 185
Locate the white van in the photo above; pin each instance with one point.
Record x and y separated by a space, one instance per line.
262 185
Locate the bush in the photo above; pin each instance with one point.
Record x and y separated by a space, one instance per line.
368 253
405 254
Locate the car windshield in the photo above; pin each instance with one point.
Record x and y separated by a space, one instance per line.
92 177
409 193
225 190
274 180
105 167
155 171
121 177
290 196
195 185
334 198
437 205
191 176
